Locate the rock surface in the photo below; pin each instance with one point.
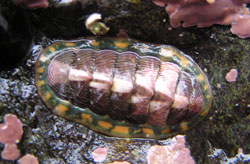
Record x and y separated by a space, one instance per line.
53 139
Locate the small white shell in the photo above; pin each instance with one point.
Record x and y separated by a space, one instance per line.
94 26
92 19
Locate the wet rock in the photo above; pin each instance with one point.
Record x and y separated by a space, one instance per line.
55 140
15 33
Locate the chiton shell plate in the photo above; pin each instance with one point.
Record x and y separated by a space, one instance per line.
123 88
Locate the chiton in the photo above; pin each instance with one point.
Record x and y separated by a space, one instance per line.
123 88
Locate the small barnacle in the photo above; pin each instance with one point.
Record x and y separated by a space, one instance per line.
95 27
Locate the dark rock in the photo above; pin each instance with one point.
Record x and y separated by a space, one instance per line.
55 140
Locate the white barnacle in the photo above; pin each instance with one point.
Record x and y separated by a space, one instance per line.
92 19
94 26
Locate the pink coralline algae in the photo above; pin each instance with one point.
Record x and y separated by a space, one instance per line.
32 4
232 75
175 152
100 154
10 134
204 13
28 159
241 24
10 152
11 131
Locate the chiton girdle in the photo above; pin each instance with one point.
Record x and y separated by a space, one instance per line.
121 70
